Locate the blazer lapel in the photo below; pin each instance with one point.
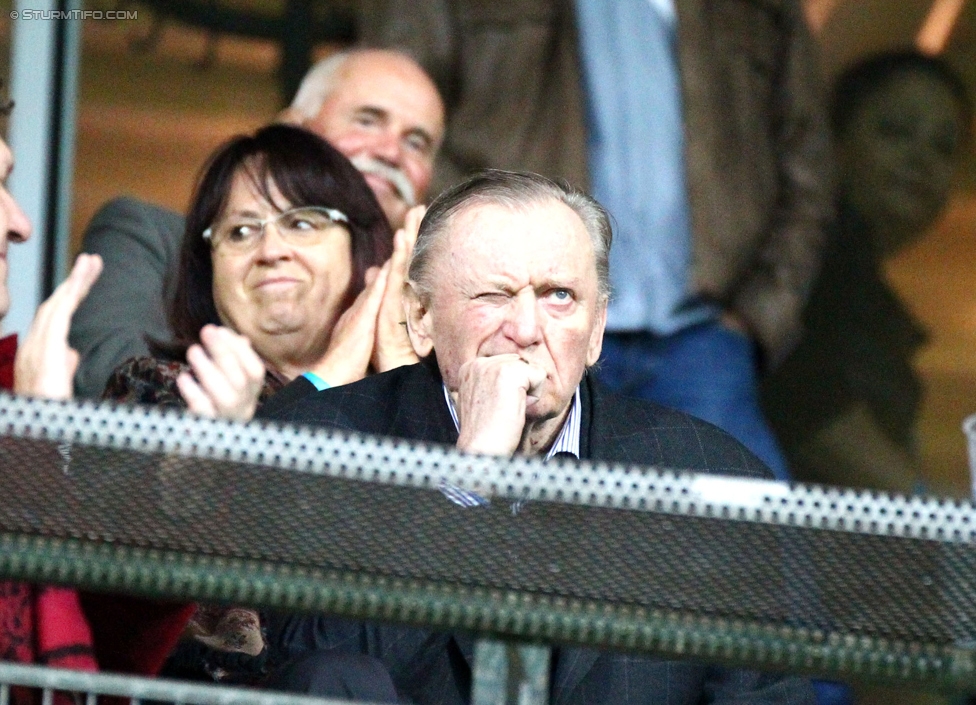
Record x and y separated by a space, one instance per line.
421 413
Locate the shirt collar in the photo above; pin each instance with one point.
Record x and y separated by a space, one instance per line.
568 440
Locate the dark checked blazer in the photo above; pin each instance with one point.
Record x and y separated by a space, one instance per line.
409 403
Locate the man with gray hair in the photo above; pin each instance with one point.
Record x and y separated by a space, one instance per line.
377 107
381 110
506 305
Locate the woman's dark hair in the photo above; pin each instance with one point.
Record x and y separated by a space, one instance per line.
307 171
874 73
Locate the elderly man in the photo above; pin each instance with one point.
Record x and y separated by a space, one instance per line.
506 303
377 107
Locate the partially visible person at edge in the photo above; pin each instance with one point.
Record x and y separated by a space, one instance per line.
845 403
285 271
377 107
49 625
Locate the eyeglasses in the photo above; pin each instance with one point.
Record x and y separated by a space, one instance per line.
297 226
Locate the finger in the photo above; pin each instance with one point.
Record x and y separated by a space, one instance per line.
196 399
351 343
53 317
499 359
253 364
536 376
392 305
70 293
370 276
411 226
357 326
235 387
226 350
401 254
71 362
87 269
369 299
233 353
377 290
210 378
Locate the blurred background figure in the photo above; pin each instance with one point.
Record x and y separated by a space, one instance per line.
699 125
845 402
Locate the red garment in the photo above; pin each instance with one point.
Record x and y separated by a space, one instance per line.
133 634
62 635
40 624
50 625
16 622
43 625
8 349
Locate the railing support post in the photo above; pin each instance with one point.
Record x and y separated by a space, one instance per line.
510 673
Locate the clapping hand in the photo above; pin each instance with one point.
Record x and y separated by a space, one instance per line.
45 365
227 378
392 346
351 344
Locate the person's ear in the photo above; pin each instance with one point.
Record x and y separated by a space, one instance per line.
595 345
419 326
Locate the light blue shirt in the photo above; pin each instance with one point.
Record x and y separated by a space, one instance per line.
636 158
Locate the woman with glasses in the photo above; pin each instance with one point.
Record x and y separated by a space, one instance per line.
283 253
283 273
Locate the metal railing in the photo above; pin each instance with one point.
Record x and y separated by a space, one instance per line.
754 573
93 685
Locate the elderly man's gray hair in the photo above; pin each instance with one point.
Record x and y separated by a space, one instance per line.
318 83
514 190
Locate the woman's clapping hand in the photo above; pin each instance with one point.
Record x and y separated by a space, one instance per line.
227 378
392 346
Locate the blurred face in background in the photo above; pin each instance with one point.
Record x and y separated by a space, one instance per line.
14 225
898 154
385 114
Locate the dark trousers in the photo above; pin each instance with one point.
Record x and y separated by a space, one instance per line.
423 666
329 674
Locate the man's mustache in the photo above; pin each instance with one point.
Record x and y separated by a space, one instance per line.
395 175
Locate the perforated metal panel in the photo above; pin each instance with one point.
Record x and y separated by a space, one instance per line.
743 571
